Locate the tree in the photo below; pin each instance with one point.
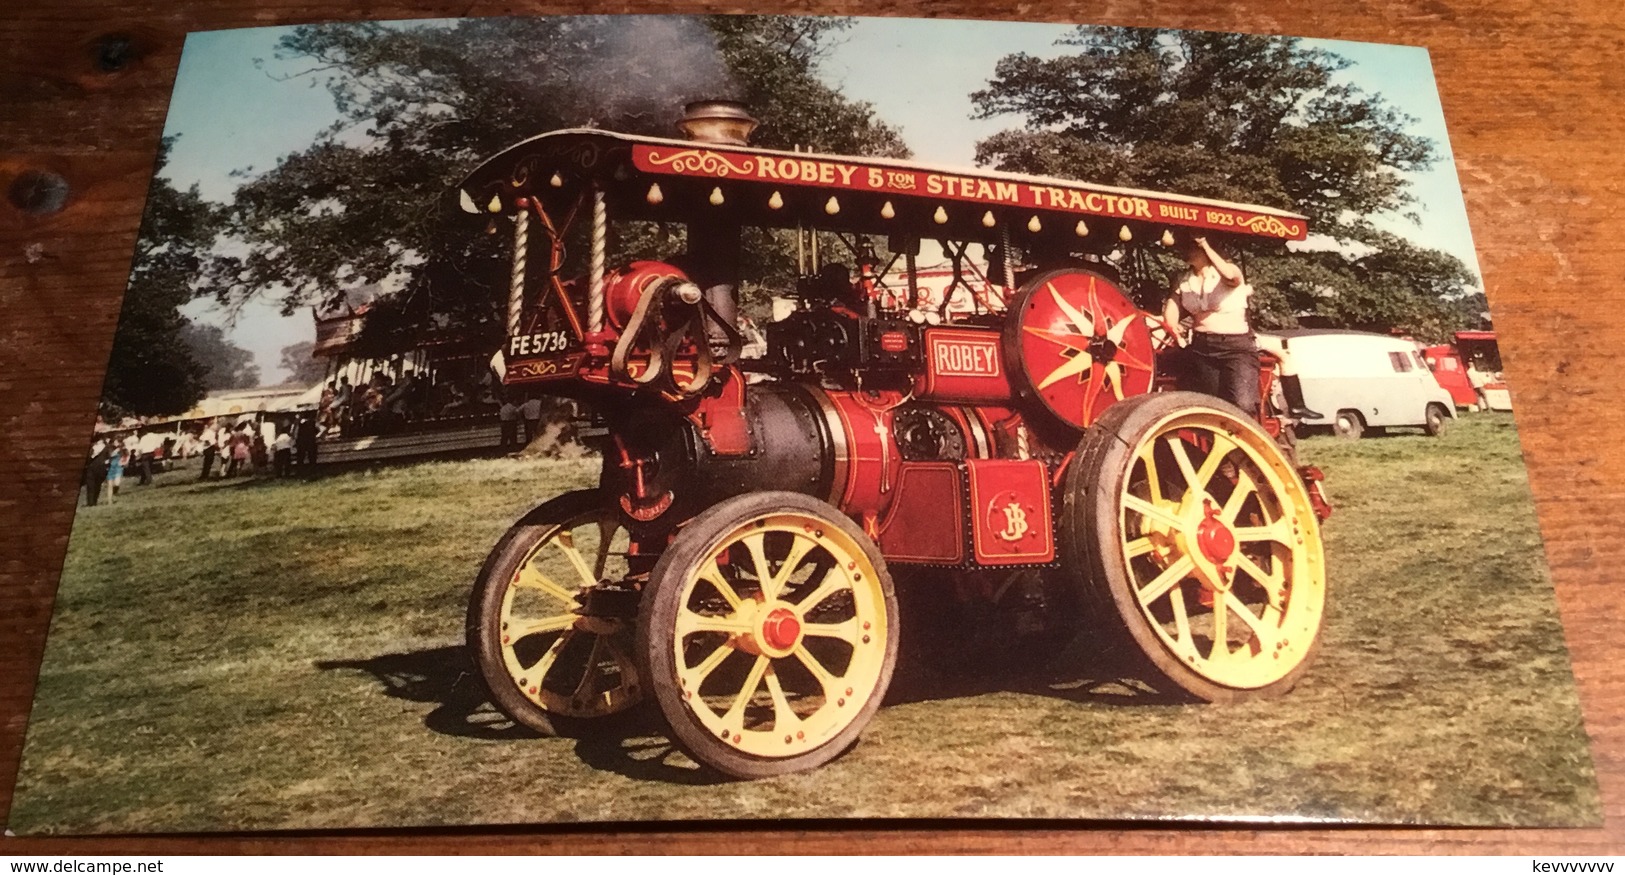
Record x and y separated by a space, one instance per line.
1244 118
422 104
152 371
302 367
225 364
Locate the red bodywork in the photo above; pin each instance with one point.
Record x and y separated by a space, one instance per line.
1451 373
946 441
1450 364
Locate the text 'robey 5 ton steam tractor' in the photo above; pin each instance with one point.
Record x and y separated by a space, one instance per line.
1006 432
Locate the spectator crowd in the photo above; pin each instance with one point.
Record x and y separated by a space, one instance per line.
284 447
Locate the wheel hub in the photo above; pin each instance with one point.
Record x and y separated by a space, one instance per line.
1101 347
775 630
1213 537
781 630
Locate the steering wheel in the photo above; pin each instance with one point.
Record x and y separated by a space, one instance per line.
1164 334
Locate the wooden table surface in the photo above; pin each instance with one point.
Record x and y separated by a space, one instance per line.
1531 93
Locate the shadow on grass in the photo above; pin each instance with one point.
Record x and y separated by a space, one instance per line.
441 677
1075 673
635 746
632 744
953 650
635 743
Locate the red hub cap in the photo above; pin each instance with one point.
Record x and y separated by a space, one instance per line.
1214 538
781 629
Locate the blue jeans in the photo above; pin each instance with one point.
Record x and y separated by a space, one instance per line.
1226 366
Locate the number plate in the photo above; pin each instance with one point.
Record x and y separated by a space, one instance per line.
540 343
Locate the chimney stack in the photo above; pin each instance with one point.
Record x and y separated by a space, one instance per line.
722 122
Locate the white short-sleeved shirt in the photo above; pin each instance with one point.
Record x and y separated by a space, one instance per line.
531 409
1217 308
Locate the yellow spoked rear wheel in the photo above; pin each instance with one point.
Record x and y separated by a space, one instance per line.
545 660
769 634
1200 543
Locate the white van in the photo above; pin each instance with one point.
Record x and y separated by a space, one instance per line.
1362 381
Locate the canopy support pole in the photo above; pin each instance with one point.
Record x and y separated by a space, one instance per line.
516 283
913 274
600 246
1004 256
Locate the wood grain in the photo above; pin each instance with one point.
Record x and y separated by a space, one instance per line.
1531 93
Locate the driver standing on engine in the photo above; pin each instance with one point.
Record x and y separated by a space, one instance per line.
1223 350
1224 356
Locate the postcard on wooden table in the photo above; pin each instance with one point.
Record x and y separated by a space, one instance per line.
740 418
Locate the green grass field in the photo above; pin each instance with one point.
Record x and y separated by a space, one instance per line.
287 655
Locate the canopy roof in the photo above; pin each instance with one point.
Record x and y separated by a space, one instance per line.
658 179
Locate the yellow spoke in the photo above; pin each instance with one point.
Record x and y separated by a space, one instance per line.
757 546
784 717
1248 619
830 584
1182 458
545 664
798 551
566 543
697 674
1153 479
1222 446
1278 531
735 715
1140 547
531 578
1170 576
826 681
846 631
1271 584
1182 625
1221 630
711 573
1264 578
1244 488
556 623
1156 512
689 622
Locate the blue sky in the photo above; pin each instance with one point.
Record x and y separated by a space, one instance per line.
237 109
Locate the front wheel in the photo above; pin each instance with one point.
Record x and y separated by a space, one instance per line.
1437 420
769 634
548 660
1199 547
1349 425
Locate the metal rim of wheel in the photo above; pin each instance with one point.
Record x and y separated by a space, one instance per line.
769 629
541 657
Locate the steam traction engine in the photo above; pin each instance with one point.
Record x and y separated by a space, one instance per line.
736 562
